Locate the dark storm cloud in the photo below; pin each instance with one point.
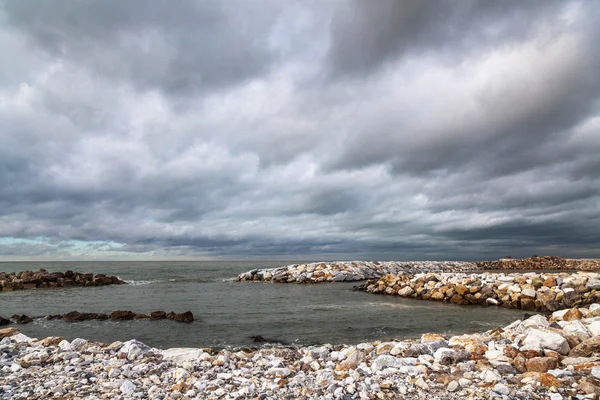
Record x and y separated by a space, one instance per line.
367 34
374 130
177 47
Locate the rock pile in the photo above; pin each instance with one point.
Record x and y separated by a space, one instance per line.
44 279
528 291
532 359
540 263
350 271
121 315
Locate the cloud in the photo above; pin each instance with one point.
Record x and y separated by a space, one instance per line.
365 35
185 48
304 130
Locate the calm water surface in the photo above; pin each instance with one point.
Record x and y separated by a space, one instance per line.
228 313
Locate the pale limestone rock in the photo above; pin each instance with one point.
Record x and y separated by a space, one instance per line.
545 339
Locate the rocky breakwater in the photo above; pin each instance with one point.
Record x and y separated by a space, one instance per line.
528 291
350 271
532 359
541 263
120 315
44 279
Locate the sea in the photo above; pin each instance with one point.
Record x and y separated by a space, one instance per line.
231 314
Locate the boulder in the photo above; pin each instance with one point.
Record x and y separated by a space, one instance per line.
572 314
418 349
73 316
540 364
23 319
577 329
430 337
4 321
122 315
535 321
184 317
546 339
158 315
181 355
446 356
587 348
387 361
354 357
405 291
8 332
572 299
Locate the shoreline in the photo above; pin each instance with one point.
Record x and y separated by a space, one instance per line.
554 356
538 356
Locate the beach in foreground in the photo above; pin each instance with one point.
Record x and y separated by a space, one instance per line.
535 358
550 355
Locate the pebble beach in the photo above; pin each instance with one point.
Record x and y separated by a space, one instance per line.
553 353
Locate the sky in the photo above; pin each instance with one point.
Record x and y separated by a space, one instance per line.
299 130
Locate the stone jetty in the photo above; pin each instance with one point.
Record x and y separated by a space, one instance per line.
44 279
350 271
527 291
545 263
537 358
120 315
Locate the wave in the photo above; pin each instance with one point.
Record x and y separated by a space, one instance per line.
172 280
135 283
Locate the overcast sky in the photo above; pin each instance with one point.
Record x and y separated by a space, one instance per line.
301 129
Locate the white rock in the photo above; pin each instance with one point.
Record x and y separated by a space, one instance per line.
594 306
490 376
134 349
65 346
114 372
528 292
513 325
556 396
596 372
282 372
558 315
453 386
412 370
594 328
78 344
576 328
536 321
225 376
464 382
544 339
593 284
180 374
181 355
58 390
127 387
560 373
501 389
387 361
514 289
422 384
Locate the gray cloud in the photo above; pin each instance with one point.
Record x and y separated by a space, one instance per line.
367 35
187 47
403 130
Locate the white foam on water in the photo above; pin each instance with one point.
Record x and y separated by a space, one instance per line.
141 282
